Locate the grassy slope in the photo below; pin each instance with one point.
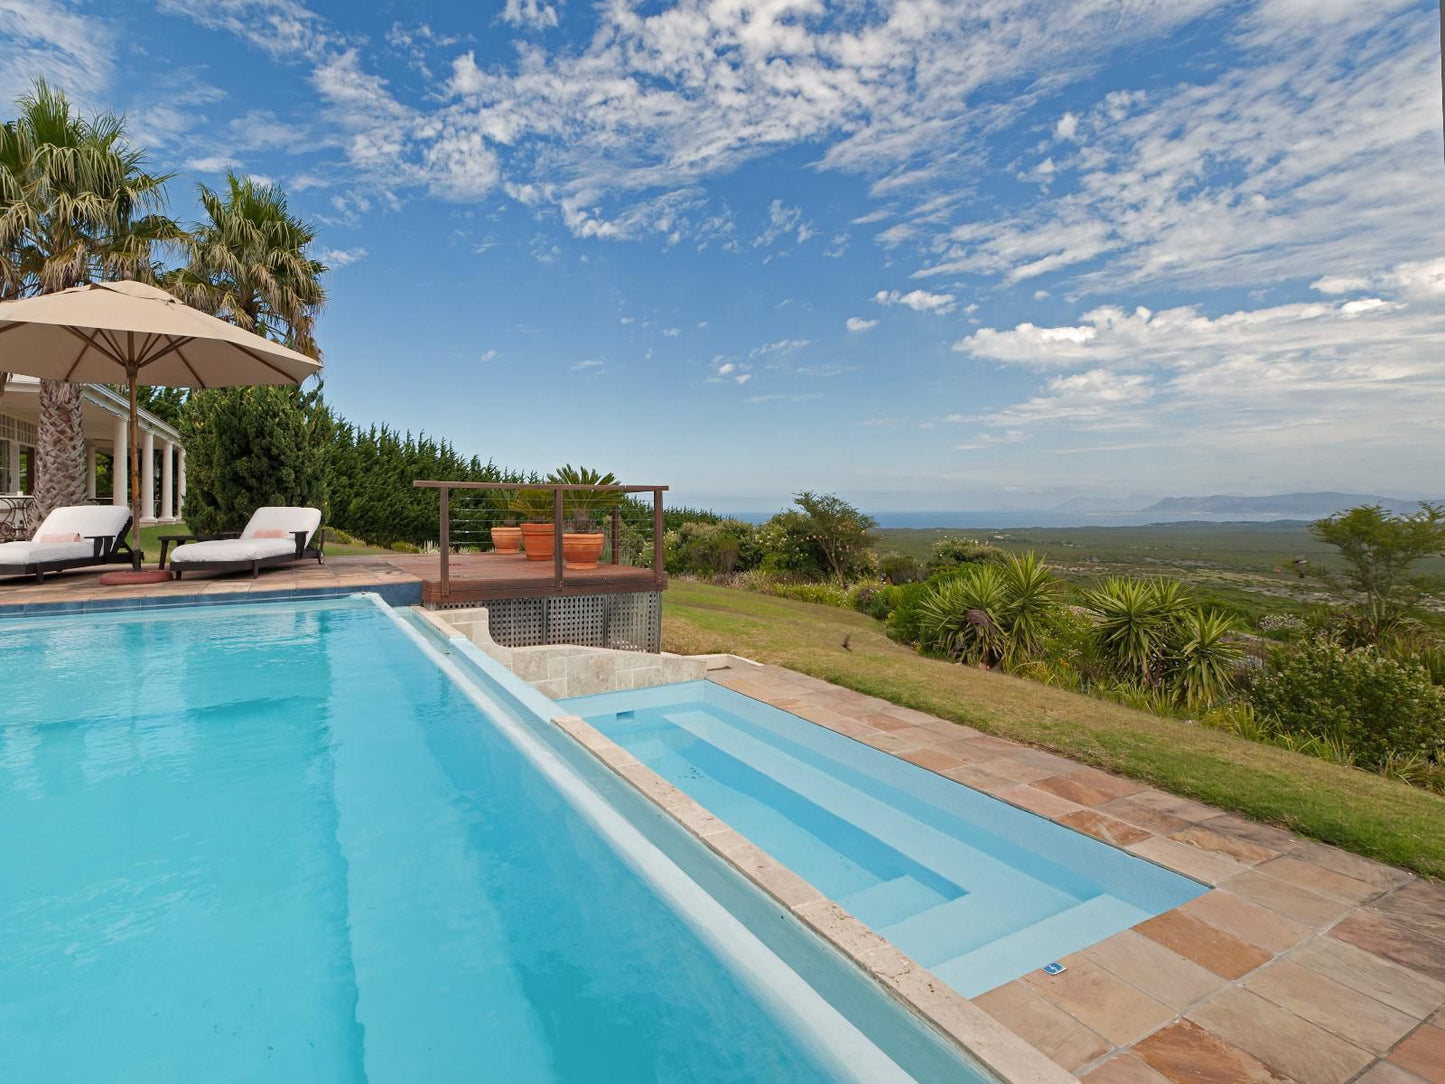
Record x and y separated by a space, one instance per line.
1356 810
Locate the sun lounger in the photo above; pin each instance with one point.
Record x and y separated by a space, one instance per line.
275 536
73 537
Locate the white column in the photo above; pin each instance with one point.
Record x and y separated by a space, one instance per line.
90 473
14 466
168 459
181 483
148 476
120 470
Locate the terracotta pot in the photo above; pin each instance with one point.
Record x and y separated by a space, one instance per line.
506 540
581 550
538 541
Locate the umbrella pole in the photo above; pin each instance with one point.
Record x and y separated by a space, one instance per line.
135 454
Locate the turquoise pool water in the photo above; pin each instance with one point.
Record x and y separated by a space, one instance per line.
973 888
280 843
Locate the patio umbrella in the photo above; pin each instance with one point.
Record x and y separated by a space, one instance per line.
130 333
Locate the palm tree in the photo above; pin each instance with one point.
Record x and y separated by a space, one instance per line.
76 205
249 264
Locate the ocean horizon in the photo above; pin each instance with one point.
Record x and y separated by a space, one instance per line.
984 519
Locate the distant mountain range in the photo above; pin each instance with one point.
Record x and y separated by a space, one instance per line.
1282 505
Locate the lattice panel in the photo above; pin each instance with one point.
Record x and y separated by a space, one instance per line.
577 619
634 622
518 622
630 622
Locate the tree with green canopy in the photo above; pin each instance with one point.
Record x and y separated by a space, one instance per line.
1380 550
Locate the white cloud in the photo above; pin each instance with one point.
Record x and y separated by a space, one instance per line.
917 300
281 28
783 220
53 38
672 332
489 355
1181 336
1097 398
1329 389
1318 147
857 323
780 346
533 14
335 258
1417 280
725 371
665 98
214 164
1067 127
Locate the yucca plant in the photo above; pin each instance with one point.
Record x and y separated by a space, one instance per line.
1135 621
1205 662
993 614
962 617
1033 604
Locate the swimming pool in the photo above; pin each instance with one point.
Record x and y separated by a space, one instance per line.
975 889
289 842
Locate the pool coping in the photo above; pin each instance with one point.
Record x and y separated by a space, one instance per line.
982 1038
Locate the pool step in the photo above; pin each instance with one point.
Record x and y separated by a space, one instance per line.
1020 952
961 925
889 901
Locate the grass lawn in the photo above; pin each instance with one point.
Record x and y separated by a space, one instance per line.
1356 810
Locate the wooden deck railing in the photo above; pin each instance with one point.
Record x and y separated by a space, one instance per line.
444 545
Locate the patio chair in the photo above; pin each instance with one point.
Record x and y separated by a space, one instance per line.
73 537
274 536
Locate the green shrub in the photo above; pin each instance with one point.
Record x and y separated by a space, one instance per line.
875 600
905 618
824 594
718 548
1370 704
952 551
897 568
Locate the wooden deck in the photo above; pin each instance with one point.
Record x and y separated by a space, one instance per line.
475 577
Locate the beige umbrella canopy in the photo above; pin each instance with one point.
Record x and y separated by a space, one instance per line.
130 333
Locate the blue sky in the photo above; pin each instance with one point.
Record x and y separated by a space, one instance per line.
986 254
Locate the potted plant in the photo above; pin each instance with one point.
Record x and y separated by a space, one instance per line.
582 542
507 536
534 508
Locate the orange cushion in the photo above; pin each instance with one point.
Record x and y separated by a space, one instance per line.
48 538
272 532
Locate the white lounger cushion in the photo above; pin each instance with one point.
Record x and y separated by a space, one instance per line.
284 519
87 520
234 549
15 556
250 548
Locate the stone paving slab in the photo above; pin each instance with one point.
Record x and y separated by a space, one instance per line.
1304 964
